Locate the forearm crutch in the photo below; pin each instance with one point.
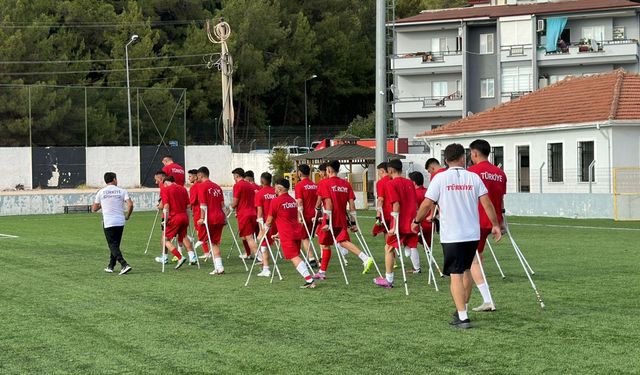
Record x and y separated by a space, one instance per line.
155 221
365 246
524 266
495 259
306 228
275 262
203 209
335 242
235 241
427 252
433 232
254 261
404 272
164 238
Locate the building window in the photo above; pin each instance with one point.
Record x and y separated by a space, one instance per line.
593 33
439 89
497 156
439 44
487 88
516 79
554 162
486 44
585 158
516 33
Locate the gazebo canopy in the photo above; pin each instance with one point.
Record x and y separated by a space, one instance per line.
346 153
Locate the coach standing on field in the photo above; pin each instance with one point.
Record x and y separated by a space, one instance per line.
111 199
457 192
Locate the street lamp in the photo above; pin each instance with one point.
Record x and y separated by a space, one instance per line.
134 37
307 130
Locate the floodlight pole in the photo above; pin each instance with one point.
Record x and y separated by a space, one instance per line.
126 60
307 130
381 83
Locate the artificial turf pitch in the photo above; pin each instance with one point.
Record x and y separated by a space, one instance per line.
62 314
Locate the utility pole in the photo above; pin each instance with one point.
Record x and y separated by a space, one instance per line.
381 83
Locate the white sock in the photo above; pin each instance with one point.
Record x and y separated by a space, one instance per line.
389 277
462 315
343 250
265 268
262 251
415 258
191 255
466 307
364 257
407 252
303 270
484 290
218 263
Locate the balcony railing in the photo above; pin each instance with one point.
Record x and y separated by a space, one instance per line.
420 60
451 102
618 50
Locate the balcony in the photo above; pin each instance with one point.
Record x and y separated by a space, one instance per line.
606 52
512 95
428 106
427 62
522 52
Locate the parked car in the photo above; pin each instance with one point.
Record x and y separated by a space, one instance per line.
260 151
287 149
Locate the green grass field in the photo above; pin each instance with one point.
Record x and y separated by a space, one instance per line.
62 314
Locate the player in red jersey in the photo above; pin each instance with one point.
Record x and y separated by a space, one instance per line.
173 169
211 200
401 194
250 178
433 167
175 201
284 216
306 193
418 183
263 200
244 204
195 209
336 194
495 181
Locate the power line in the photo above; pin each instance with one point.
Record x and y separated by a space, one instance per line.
27 62
100 70
29 25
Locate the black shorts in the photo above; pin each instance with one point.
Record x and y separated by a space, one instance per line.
458 256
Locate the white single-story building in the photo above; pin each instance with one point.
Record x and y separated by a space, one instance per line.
557 139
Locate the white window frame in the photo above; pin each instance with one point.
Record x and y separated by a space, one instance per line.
516 85
550 165
504 154
489 48
440 84
484 88
578 160
437 44
589 32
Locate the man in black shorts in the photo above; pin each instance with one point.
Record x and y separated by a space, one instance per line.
457 192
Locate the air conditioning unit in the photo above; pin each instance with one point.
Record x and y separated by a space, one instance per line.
543 82
540 26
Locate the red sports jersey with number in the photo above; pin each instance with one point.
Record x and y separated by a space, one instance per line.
436 172
263 199
495 180
210 194
175 170
402 191
177 198
308 192
340 192
194 202
381 190
284 211
245 194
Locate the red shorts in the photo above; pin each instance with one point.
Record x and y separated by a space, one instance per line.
426 231
177 226
247 225
325 238
409 240
272 232
215 230
309 223
290 249
484 233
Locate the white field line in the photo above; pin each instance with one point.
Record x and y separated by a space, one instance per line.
7 236
555 226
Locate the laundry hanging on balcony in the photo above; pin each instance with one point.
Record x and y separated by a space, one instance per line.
555 26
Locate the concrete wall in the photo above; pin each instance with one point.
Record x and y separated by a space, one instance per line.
626 152
410 127
420 41
480 67
15 167
578 206
218 159
124 161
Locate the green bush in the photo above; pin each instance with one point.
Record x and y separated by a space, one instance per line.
280 163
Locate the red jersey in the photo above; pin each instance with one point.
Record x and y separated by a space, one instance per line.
308 192
263 199
175 170
420 192
211 195
495 180
255 187
177 198
381 187
436 172
245 194
194 202
340 192
401 190
284 211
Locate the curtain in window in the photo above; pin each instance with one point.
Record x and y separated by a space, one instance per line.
554 29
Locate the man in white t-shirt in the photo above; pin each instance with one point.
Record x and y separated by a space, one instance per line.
111 200
457 192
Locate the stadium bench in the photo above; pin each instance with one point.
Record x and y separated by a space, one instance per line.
77 208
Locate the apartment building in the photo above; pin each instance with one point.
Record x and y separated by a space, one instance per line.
448 64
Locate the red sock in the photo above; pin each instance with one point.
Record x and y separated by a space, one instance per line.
205 247
308 278
326 255
176 253
247 249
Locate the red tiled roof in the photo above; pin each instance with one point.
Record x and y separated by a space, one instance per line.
517 10
575 100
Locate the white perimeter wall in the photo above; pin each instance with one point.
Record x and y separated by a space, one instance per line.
124 161
221 161
15 167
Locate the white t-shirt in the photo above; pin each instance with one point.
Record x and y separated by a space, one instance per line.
457 191
111 198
